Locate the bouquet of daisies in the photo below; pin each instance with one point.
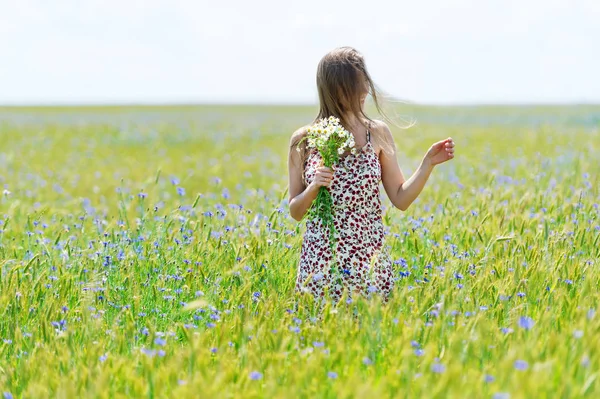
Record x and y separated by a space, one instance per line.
331 140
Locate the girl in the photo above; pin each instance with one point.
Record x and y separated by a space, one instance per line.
362 264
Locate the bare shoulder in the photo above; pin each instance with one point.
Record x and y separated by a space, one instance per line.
382 137
381 130
298 135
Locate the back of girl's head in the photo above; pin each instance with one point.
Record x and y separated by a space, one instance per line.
342 83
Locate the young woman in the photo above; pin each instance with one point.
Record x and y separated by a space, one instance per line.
362 264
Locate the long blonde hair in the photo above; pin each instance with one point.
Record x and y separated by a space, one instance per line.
342 81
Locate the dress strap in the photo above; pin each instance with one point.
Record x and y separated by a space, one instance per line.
368 132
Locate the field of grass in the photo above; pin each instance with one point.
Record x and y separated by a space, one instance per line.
148 252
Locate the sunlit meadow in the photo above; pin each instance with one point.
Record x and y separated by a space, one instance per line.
148 252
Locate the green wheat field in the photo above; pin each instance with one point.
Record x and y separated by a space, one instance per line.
147 252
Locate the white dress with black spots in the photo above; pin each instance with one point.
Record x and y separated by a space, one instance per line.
362 264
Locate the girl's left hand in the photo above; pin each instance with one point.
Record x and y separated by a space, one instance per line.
440 152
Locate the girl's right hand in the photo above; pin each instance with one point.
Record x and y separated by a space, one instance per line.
323 177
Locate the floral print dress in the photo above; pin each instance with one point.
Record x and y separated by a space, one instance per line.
362 264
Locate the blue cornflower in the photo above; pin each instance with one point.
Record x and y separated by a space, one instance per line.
438 368
367 361
255 375
181 191
419 352
501 395
148 352
489 378
521 365
318 344
7 395
332 374
591 313
160 341
103 358
526 323
213 350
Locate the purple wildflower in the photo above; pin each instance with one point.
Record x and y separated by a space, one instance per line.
148 352
332 374
521 365
255 375
591 313
438 368
526 323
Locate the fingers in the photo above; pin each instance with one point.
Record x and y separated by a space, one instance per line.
325 172
449 147
324 176
325 169
321 181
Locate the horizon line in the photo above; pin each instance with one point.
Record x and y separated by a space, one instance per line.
150 104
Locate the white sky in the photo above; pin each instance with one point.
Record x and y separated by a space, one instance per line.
461 51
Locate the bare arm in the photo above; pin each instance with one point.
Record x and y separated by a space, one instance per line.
301 197
401 192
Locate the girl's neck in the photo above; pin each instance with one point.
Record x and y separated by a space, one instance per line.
354 121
